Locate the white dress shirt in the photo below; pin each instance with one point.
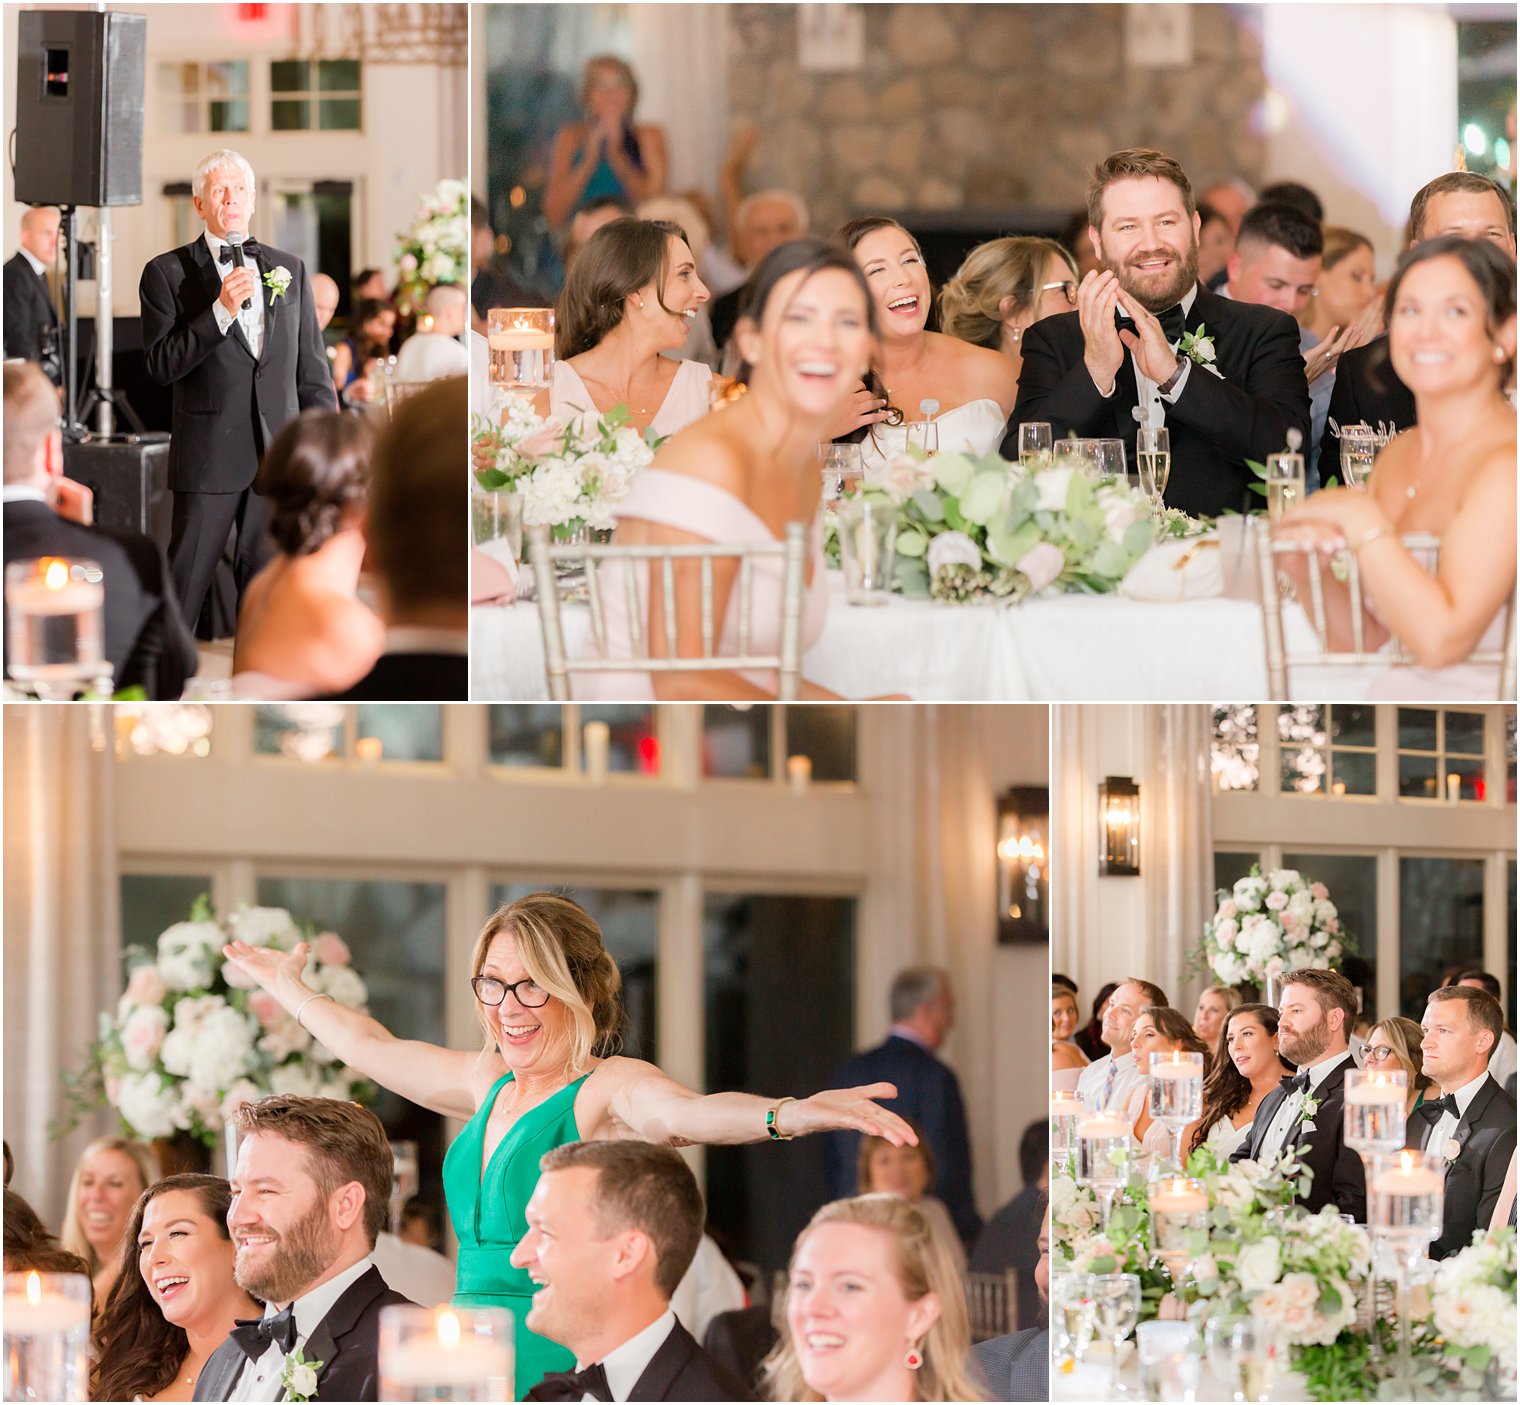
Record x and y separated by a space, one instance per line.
625 1364
262 1379
1095 1075
251 318
1280 1131
38 267
1445 1126
1151 400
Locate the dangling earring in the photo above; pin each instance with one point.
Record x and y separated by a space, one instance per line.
1015 333
914 1358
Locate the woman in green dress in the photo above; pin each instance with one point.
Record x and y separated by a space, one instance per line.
548 1000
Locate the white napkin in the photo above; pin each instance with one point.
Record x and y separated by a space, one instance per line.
486 582
1177 570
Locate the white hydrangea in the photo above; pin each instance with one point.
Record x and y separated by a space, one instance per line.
142 1035
1249 893
1287 880
343 983
245 1090
264 926
294 1079
150 1105
1052 488
211 1044
188 954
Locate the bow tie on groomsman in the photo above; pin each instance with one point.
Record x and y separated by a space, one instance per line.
1433 1111
1173 322
255 1334
574 1385
1296 1082
250 251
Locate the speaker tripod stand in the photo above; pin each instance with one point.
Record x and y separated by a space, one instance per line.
75 428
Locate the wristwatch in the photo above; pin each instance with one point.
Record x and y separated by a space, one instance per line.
1165 388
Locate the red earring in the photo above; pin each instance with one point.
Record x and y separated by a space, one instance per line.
914 1358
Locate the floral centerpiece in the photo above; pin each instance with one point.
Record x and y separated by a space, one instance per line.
192 1040
1466 1344
436 248
572 473
982 528
1267 926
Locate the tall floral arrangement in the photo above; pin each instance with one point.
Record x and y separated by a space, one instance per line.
436 248
1266 927
191 1040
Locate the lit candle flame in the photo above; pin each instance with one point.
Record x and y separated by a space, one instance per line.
33 1289
448 1329
1406 1161
55 575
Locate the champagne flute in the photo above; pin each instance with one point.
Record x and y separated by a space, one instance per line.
1072 1304
1244 1352
1034 438
1285 484
843 470
1116 1306
1359 448
1153 458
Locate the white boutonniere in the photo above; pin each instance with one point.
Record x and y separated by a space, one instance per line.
1451 1148
1198 347
1306 1113
300 1376
277 280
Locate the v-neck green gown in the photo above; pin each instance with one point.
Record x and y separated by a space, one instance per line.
488 1212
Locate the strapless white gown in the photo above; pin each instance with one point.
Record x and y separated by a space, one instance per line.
1223 1137
977 427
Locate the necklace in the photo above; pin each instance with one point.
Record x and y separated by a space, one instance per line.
624 397
917 366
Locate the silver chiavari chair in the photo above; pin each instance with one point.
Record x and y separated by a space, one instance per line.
629 568
1344 571
992 1304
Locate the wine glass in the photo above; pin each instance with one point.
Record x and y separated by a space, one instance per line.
1359 446
1244 1352
1116 1309
1034 438
1153 458
1072 1312
1108 454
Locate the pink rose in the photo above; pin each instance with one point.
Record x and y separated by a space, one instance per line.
1319 891
409 262
541 441
1277 901
1042 564
1289 921
1333 925
266 1009
113 1089
330 949
146 986
1226 911
143 1035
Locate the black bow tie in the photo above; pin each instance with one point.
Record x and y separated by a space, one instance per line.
255 1335
1435 1110
1296 1082
1173 322
572 1385
250 249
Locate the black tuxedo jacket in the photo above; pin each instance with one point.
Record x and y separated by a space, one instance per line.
346 1342
412 678
1216 424
28 309
228 407
145 637
1486 1135
1339 1178
1367 390
679 1370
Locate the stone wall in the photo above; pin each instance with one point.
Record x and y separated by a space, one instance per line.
987 105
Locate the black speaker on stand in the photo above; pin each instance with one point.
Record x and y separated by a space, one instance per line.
79 114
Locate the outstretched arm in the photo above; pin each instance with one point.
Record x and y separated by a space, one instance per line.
444 1080
631 1098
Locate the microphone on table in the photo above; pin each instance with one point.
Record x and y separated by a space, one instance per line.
239 258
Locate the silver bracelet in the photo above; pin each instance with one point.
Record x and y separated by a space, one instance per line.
322 995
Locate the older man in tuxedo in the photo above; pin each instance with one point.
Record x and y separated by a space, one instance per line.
310 1193
231 326
1472 1123
31 321
1231 392
1315 1018
612 1227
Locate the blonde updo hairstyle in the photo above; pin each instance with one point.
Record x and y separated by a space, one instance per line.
923 1267
561 946
971 305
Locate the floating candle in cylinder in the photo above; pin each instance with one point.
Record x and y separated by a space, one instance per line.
55 612
47 1336
1179 1209
520 341
1374 1109
1065 1112
454 1354
1176 1086
799 772
1407 1197
1102 1149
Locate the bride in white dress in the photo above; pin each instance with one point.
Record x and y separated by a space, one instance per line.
1246 1068
1159 1030
972 387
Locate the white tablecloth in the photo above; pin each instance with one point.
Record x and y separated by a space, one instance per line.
1065 649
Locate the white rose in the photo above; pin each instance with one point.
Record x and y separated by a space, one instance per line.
283 1039
1300 1289
1235 1189
1258 1264
1051 488
1267 1304
1225 932
149 1103
303 1381
953 549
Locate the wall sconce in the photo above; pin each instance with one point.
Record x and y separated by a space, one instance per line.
1023 851
1119 827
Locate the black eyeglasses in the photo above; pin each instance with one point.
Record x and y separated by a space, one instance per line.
1068 288
490 991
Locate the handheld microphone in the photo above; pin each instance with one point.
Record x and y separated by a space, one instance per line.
239 258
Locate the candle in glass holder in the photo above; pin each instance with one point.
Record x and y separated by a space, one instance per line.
47 1336
1179 1207
521 345
1065 1112
799 772
1103 1149
1407 1198
1374 1109
596 738
453 1354
56 632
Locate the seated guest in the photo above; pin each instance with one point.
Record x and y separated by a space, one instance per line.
415 533
1159 1031
630 295
590 218
1002 288
1501 1065
1394 1044
1086 374
421 1223
1213 1005
974 387
1314 1022
144 637
489 285
369 283
1472 1123
108 1177
1276 263
1089 1039
1017 1367
1066 1057
302 622
175 1300
1107 1082
1504 1207
1246 1068
762 221
908 1172
1346 297
1231 196
1007 1240
1368 390
1294 194
30 1246
369 339
612 1227
434 354
1216 242
874 1310
685 213
31 322
1452 476
324 298
309 1195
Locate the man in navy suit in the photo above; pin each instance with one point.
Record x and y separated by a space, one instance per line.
239 344
928 1092
1090 372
